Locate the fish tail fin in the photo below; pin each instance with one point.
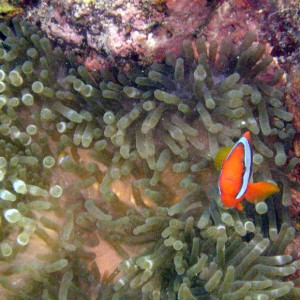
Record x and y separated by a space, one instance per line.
259 191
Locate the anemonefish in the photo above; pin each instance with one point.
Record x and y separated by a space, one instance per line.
235 175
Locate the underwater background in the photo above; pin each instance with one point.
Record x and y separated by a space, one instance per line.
112 114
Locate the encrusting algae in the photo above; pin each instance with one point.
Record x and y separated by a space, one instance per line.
70 139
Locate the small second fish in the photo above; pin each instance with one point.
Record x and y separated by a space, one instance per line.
235 175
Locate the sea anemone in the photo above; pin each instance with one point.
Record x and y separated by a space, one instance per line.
128 157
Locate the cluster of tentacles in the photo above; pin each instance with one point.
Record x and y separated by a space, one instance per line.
128 157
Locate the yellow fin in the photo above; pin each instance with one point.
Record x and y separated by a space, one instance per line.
221 156
260 191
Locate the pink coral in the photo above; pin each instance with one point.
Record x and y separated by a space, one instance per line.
120 30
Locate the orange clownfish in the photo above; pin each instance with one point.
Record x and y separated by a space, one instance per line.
235 175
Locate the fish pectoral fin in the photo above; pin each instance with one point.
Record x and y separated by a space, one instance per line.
221 156
259 191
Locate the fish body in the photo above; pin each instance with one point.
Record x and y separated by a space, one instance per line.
235 175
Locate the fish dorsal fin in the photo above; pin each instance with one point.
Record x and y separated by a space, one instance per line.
260 191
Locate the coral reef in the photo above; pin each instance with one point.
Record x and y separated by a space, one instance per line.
128 157
8 9
119 31
282 34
